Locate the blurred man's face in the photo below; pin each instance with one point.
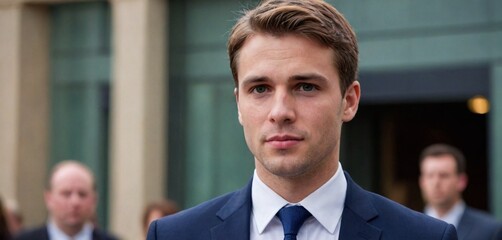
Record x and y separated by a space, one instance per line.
440 183
71 201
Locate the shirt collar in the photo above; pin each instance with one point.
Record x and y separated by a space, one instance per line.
325 204
451 217
56 234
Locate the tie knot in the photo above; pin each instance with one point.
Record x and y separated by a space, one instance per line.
292 219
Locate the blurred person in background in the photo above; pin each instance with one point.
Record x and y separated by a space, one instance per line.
71 201
442 180
4 227
156 210
14 217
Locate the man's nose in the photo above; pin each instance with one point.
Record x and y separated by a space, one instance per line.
283 108
75 198
435 181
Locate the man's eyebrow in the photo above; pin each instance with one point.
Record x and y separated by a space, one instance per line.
257 79
253 80
308 77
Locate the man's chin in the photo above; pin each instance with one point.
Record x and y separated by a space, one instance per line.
75 223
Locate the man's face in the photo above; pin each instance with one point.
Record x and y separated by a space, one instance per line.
71 201
440 183
290 105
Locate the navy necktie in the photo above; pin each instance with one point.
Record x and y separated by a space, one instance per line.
292 219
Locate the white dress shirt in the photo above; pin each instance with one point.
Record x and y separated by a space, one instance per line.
325 204
56 234
451 217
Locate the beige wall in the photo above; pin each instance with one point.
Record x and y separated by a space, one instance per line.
24 106
138 112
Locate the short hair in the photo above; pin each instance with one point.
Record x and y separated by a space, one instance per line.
441 149
313 19
65 163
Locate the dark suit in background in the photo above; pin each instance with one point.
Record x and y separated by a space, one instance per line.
42 233
443 178
365 216
498 235
477 225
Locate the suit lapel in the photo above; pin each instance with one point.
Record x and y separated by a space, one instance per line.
235 216
465 225
357 214
355 225
45 234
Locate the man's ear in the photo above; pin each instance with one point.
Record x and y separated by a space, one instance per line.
351 101
236 94
462 182
47 198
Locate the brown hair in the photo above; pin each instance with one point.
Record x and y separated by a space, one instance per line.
441 149
313 19
166 207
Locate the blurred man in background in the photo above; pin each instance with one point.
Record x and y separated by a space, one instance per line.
443 178
71 200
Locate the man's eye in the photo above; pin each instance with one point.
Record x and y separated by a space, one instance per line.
82 194
260 89
307 87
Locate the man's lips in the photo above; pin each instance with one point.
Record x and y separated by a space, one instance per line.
283 141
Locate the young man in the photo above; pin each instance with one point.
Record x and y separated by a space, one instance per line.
294 65
71 201
443 179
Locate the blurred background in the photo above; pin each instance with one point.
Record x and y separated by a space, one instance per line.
141 91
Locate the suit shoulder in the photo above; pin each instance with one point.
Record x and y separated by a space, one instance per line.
102 235
197 222
203 210
479 215
393 215
391 219
388 207
192 223
34 233
480 219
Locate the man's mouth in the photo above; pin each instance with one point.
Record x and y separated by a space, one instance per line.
283 141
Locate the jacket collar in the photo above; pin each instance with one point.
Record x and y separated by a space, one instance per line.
356 216
235 216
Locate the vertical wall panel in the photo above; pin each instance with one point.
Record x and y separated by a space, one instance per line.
495 165
80 79
207 152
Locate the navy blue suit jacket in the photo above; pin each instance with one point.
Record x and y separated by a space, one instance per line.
365 216
477 225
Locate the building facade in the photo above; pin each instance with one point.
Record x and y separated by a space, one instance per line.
141 91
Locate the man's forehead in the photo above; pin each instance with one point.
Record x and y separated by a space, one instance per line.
71 174
439 163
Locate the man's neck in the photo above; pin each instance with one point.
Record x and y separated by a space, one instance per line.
295 189
70 231
443 210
